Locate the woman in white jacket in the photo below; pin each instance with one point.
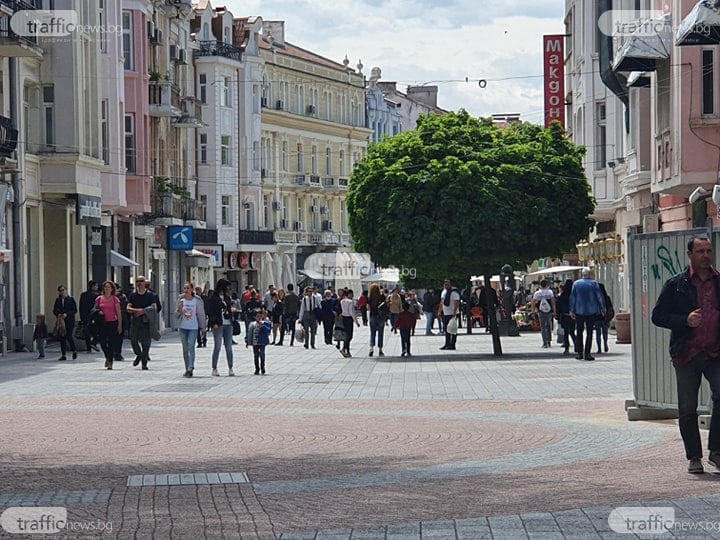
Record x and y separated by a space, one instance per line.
191 316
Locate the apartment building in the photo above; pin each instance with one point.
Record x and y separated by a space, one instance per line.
313 132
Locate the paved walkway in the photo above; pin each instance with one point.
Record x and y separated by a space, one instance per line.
445 444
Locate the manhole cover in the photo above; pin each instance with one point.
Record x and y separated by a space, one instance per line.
179 387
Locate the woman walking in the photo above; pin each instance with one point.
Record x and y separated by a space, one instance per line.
566 322
220 320
191 312
111 328
347 309
276 314
378 312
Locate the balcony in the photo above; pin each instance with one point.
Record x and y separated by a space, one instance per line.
8 137
168 207
164 99
11 44
343 183
218 48
314 180
191 116
194 210
256 237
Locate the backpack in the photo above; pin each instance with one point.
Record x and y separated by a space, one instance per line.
545 305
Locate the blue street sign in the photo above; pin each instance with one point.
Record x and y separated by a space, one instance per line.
180 238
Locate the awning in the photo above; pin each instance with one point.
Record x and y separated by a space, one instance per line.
554 270
638 79
701 26
650 42
197 253
118 259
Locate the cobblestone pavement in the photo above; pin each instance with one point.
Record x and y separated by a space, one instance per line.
445 444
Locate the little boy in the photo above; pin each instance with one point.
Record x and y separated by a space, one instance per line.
405 323
258 335
40 334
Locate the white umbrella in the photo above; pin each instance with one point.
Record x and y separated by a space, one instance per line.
268 273
288 275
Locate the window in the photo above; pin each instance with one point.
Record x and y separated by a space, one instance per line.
256 156
708 81
101 24
225 210
104 131
202 150
328 106
600 138
226 92
300 165
343 216
127 40
313 160
202 87
342 162
256 98
130 164
300 213
285 209
48 93
266 211
328 161
285 158
225 150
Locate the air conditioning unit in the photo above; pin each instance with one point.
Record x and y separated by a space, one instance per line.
157 37
650 223
310 109
298 226
276 205
263 102
324 209
280 105
314 209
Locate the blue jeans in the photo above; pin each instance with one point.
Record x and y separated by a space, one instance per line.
429 320
223 333
689 378
393 320
377 327
187 339
601 333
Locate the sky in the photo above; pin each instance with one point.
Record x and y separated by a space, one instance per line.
439 42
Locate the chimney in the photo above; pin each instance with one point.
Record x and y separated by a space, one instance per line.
274 32
424 94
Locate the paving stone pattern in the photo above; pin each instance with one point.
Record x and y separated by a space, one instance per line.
442 445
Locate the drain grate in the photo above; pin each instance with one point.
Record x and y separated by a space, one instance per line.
179 387
188 479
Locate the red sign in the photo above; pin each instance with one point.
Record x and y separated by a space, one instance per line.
554 62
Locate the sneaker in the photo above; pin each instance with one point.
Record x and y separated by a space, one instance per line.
695 466
257 372
370 353
380 353
262 371
109 365
187 372
402 354
74 355
145 368
714 459
231 373
136 362
588 357
62 359
106 364
215 373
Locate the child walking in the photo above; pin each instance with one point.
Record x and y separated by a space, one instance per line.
40 334
258 335
405 323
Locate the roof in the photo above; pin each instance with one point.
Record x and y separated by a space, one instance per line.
288 49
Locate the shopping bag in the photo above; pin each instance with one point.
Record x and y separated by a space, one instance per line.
452 326
560 335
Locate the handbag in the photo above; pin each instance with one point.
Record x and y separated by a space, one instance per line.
236 327
609 315
560 335
60 331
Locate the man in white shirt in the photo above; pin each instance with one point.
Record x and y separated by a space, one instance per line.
308 304
450 302
543 303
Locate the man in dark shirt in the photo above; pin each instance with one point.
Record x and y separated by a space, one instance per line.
291 308
689 305
87 302
140 336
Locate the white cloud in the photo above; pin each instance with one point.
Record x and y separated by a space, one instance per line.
426 41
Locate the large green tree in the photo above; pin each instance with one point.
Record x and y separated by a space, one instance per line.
460 196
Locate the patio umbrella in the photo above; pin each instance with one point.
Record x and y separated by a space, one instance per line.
288 274
268 272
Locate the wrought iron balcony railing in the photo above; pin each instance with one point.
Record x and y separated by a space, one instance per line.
218 48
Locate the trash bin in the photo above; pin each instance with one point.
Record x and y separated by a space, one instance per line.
622 327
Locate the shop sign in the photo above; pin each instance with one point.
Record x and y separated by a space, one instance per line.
252 261
217 251
243 260
88 211
180 238
554 64
233 260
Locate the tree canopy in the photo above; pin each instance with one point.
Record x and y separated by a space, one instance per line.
460 196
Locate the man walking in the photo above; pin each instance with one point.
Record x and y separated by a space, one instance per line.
689 305
587 304
430 302
307 316
87 303
543 304
140 301
450 303
291 308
